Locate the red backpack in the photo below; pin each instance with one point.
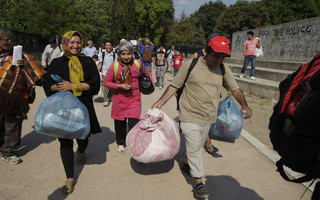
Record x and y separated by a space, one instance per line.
295 122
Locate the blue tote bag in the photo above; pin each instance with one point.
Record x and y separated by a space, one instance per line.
229 120
62 115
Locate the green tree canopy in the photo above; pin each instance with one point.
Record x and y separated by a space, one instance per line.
241 16
206 16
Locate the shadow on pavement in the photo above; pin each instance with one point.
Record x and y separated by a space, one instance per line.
96 152
151 168
32 140
57 195
226 187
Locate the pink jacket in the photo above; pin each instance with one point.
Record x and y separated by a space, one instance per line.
125 104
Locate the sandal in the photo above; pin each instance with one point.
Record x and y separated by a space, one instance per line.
211 149
69 186
81 160
121 149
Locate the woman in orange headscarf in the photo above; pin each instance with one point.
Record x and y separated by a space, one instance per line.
81 77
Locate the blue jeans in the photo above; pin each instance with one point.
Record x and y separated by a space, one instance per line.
246 63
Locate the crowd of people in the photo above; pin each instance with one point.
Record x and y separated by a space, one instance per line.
115 72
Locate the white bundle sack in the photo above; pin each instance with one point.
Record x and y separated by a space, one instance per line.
154 138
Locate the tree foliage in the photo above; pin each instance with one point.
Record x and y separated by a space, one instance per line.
282 11
184 31
102 20
206 16
99 20
241 16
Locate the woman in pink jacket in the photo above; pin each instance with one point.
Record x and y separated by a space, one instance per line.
122 77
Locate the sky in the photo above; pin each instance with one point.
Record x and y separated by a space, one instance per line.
190 6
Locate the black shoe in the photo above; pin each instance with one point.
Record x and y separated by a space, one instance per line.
200 191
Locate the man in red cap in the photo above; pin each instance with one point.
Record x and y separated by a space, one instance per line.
198 104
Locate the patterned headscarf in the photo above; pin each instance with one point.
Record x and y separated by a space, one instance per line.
75 67
126 45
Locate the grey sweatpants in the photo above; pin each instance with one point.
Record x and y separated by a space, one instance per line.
160 72
195 136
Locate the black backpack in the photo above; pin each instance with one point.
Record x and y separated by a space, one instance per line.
295 122
192 65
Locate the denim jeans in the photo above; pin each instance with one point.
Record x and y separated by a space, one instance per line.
251 58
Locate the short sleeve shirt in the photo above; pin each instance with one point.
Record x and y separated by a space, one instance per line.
201 95
251 47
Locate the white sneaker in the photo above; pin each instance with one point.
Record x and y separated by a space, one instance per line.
241 75
12 159
252 78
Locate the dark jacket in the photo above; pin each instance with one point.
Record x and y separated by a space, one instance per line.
60 67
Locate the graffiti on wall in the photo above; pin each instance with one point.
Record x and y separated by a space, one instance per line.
294 41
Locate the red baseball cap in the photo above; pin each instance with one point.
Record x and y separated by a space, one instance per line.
220 44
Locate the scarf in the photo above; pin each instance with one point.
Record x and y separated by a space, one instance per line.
16 84
75 67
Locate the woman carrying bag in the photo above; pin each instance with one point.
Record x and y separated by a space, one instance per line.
123 78
80 77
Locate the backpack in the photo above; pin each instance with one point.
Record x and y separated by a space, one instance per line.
145 84
192 65
295 122
116 66
147 54
104 54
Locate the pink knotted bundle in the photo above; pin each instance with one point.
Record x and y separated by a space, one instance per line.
155 138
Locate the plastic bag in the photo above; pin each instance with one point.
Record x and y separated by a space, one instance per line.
62 115
229 120
154 138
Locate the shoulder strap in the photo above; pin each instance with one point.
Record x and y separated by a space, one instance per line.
223 70
114 56
116 66
115 69
193 63
136 62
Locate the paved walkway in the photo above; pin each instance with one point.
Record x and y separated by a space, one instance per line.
238 172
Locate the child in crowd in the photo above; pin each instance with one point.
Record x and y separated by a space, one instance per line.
177 61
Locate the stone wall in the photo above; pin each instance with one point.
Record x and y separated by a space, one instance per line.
293 41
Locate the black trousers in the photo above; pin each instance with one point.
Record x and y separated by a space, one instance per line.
121 129
67 154
10 134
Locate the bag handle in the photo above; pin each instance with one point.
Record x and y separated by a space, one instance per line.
302 179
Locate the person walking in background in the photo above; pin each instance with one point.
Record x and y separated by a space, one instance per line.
146 49
52 50
249 52
160 62
106 58
122 76
170 53
177 61
198 104
16 85
81 77
90 50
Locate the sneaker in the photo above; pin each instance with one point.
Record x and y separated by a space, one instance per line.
12 159
161 86
200 191
252 78
106 103
241 75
